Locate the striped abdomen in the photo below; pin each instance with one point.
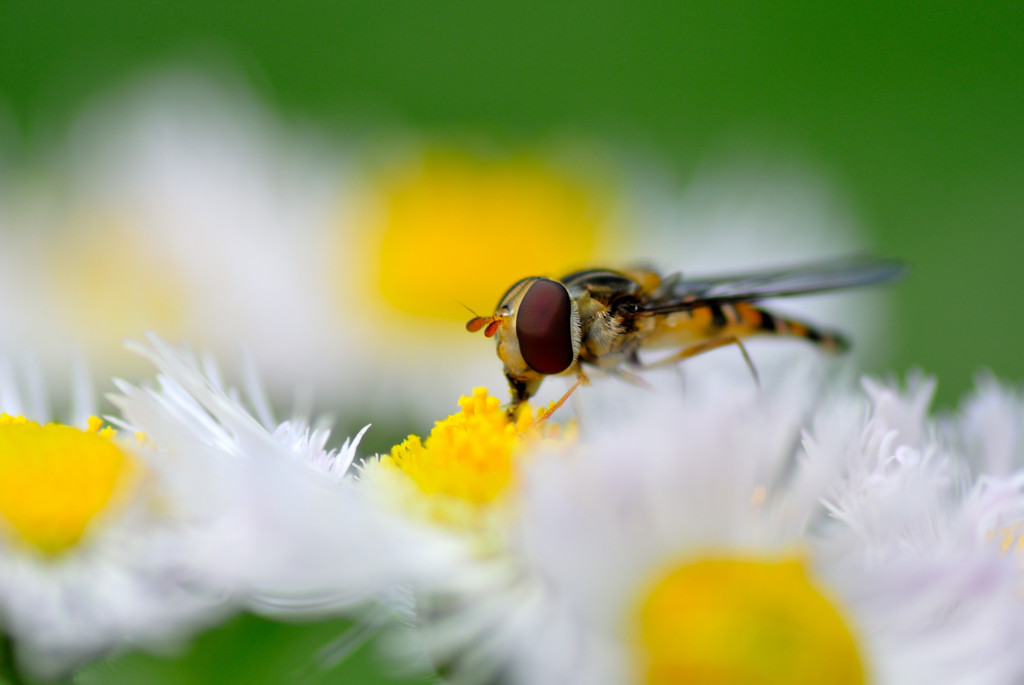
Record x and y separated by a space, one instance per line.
678 329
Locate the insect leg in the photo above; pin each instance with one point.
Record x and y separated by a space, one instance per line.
630 378
544 414
707 346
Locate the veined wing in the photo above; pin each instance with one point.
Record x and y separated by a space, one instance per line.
679 294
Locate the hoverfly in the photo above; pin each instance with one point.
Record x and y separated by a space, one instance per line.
602 318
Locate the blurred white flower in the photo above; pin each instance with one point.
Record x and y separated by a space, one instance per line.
989 430
904 505
93 555
739 214
443 231
278 522
964 471
181 207
990 427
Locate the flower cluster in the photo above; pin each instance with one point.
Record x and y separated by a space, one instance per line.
803 532
799 535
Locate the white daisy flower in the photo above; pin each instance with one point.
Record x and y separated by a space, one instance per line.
182 207
989 430
462 482
904 504
684 541
990 427
963 471
868 455
280 524
92 555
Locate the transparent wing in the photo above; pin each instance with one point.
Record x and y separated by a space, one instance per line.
680 294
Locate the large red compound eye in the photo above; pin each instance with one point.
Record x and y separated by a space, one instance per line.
544 327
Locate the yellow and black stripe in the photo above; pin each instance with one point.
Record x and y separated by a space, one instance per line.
759 321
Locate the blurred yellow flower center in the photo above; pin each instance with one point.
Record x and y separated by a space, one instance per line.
456 230
56 479
1010 538
112 285
731 621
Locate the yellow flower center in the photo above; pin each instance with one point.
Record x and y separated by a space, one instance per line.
1010 538
469 461
469 455
111 285
55 480
457 230
736 621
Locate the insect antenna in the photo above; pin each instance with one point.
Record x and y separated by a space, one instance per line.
468 308
477 322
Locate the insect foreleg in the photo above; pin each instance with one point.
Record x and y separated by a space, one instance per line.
543 415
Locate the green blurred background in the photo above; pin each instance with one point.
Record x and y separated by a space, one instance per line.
915 111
